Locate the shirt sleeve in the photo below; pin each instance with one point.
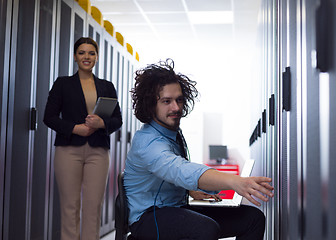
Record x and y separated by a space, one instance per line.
160 158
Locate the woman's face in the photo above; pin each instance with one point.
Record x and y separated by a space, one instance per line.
86 57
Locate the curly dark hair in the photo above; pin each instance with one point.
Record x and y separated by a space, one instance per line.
150 80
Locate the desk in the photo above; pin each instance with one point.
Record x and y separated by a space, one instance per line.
228 168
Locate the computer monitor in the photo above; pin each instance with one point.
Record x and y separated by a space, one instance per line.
218 153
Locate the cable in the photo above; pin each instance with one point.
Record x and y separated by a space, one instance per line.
157 227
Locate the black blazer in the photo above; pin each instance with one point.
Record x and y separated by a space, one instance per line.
66 107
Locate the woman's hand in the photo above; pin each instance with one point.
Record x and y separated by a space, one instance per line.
198 195
94 121
83 130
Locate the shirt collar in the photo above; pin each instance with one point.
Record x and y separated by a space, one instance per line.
164 131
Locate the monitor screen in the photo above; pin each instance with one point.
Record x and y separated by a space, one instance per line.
218 152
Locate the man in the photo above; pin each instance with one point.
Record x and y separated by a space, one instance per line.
158 175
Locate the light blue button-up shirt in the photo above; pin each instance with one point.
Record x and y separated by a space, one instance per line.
155 157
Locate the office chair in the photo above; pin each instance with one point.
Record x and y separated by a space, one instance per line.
121 212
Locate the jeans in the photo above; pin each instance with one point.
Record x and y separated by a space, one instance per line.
201 223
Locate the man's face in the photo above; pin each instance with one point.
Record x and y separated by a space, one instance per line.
169 106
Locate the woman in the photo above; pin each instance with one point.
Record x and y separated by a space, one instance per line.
82 143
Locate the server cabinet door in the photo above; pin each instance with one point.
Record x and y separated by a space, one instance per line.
20 137
329 207
5 25
328 168
123 97
284 123
64 37
294 143
289 175
63 58
312 201
80 21
113 173
42 162
95 31
128 106
116 139
107 224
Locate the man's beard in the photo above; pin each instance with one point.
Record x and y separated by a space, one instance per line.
176 121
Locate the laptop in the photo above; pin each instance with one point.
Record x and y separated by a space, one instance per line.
235 201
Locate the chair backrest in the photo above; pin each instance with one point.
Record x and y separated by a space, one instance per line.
121 210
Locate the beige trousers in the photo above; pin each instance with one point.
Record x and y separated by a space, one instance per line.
81 175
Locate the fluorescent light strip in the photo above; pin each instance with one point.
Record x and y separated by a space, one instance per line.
146 18
191 25
211 17
149 12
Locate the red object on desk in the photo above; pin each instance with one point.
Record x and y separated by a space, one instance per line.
233 169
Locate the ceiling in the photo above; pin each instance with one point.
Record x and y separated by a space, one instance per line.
150 21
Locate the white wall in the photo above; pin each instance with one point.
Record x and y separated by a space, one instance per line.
224 79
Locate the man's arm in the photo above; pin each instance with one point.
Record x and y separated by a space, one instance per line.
213 180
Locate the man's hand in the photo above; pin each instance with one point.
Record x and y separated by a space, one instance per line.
258 187
248 187
198 195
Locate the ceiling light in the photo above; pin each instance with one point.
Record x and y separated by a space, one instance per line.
211 17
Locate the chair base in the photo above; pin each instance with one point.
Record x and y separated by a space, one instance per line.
130 237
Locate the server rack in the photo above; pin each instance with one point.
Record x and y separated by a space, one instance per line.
38 39
299 69
5 33
288 121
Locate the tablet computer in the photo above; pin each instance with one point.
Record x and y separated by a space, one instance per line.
105 106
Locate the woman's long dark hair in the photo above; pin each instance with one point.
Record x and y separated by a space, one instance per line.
150 80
